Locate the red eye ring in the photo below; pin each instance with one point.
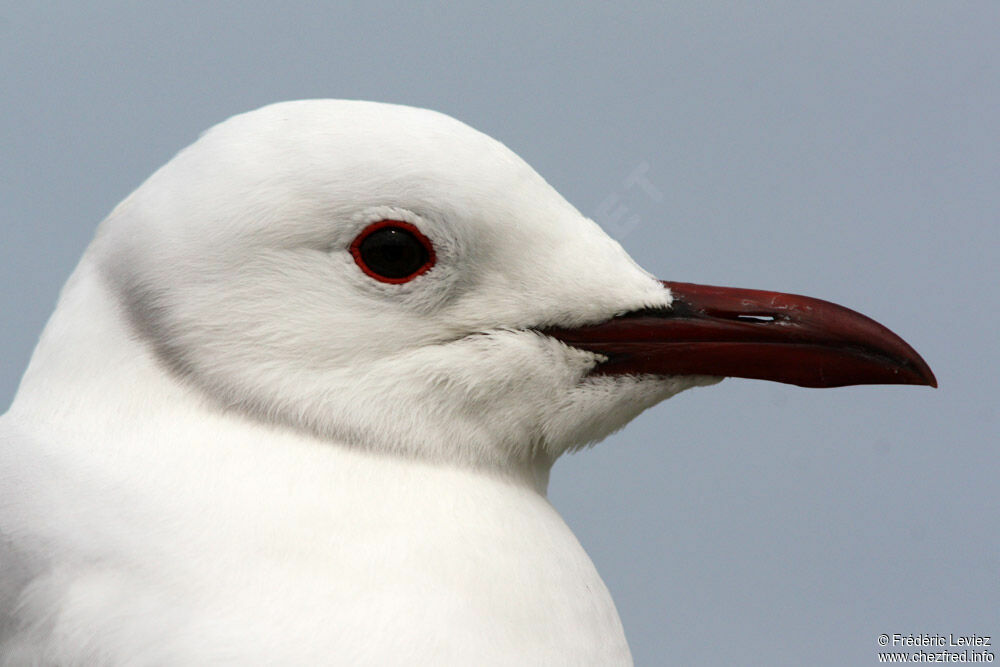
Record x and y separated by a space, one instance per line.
393 251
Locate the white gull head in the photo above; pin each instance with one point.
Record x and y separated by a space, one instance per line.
234 262
299 401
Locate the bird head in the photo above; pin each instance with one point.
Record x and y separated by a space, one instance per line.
391 279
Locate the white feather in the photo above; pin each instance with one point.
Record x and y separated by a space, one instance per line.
233 447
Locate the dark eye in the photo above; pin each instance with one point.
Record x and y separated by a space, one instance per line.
392 251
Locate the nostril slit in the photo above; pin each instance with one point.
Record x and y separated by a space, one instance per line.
756 318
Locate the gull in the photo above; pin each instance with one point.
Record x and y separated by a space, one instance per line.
299 401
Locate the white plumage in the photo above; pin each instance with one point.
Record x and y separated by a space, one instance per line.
234 447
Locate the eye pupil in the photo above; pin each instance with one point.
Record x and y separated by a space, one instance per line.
392 251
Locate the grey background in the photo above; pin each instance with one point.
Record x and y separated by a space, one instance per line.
844 150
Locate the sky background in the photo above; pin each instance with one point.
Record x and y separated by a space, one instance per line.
849 151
